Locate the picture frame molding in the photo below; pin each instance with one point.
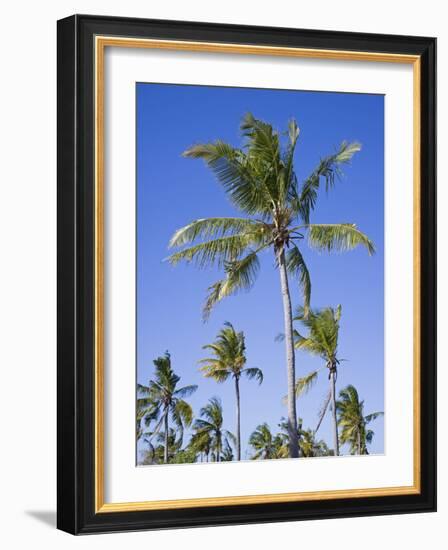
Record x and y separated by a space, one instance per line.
81 44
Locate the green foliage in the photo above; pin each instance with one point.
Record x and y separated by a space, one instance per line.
163 400
209 428
323 332
352 421
228 357
304 384
156 447
295 264
185 456
337 237
261 182
329 169
265 444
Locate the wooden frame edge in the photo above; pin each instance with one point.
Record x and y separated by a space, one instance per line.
100 43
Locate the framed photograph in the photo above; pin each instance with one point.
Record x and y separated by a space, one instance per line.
246 274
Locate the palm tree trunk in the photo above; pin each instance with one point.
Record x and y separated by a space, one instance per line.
238 419
359 441
165 450
290 357
218 451
333 407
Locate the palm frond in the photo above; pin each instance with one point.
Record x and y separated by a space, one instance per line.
263 143
230 436
304 384
329 168
182 413
217 372
295 264
373 416
233 170
142 390
240 275
212 227
214 252
186 391
308 344
254 372
337 237
157 428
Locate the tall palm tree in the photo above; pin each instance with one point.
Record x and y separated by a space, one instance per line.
265 444
322 340
163 400
229 360
352 421
211 423
261 182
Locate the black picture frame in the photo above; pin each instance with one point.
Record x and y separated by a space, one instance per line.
76 396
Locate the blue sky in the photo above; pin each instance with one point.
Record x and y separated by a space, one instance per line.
173 191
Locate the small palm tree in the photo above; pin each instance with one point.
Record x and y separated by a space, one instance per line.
261 182
201 443
211 423
156 453
227 454
229 360
352 421
163 400
322 340
265 444
309 445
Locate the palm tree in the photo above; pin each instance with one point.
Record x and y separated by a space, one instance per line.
322 340
229 360
352 421
201 443
227 453
260 181
308 444
211 424
156 454
265 444
163 400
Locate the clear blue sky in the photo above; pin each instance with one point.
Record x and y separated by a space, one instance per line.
172 191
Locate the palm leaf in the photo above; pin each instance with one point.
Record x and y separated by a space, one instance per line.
308 344
329 168
235 173
254 372
211 227
373 416
295 264
304 384
218 373
182 413
240 275
216 251
337 237
186 391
